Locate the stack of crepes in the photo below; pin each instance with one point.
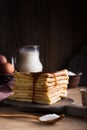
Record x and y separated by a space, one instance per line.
45 88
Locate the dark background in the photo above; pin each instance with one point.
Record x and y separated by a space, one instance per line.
58 26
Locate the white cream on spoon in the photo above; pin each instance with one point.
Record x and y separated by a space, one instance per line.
48 118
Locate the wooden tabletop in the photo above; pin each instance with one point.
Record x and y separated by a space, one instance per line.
68 122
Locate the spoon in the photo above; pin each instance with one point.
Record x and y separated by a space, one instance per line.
48 118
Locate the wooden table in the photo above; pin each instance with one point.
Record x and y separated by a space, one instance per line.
68 122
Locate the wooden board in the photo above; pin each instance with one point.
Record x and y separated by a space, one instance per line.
66 106
36 107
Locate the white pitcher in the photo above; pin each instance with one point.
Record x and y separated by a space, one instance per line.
27 59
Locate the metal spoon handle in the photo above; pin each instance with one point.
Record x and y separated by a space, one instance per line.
20 115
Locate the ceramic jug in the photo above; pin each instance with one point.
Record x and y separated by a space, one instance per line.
27 59
84 96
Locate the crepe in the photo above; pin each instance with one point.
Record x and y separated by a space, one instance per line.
46 88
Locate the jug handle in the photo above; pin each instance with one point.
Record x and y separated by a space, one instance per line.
14 59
